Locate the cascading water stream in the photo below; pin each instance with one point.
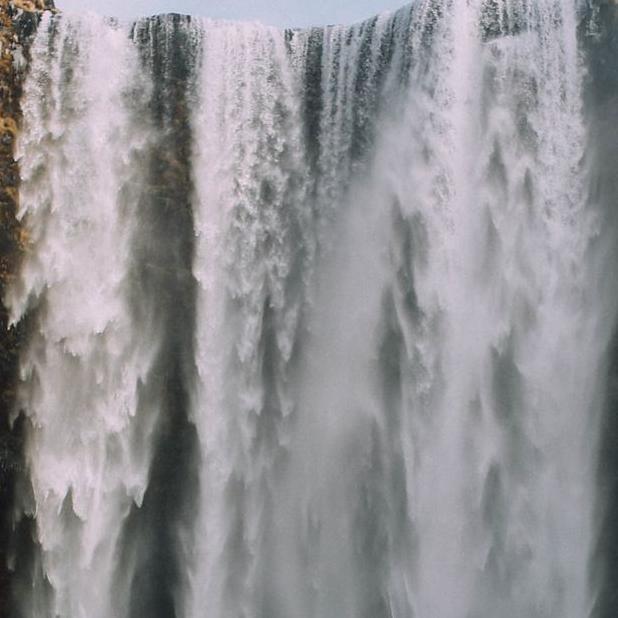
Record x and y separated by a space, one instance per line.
319 319
88 448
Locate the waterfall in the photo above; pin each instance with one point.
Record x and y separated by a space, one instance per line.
319 321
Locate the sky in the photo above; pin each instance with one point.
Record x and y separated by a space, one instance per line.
291 13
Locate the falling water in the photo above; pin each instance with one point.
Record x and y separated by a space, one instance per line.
319 320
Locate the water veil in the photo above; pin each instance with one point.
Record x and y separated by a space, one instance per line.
319 321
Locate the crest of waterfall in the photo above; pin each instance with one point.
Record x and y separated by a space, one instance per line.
318 319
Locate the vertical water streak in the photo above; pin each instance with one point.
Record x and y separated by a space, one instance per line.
253 242
495 193
88 444
158 537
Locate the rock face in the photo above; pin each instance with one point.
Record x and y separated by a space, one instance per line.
18 20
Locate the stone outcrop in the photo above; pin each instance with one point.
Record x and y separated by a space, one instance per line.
18 20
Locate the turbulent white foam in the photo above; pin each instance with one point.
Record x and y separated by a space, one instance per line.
398 337
250 213
88 447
